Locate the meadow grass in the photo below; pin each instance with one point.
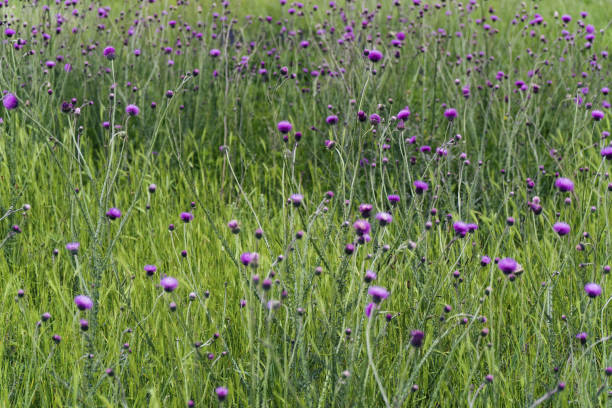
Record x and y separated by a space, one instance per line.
290 316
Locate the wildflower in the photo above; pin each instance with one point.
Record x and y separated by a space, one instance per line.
109 53
169 283
561 228
564 184
250 258
378 293
461 228
132 110
375 56
592 289
507 265
369 276
420 186
597 115
403 114
296 199
84 324
186 217
365 209
113 213
349 249
73 247
450 114
384 218
221 393
10 101
368 309
83 302
606 152
150 269
331 119
284 127
234 226
361 227
393 199
417 337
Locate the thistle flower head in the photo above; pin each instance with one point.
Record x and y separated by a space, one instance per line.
83 302
169 283
592 289
378 293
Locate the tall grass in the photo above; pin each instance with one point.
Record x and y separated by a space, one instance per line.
297 324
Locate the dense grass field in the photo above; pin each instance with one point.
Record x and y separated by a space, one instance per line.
317 204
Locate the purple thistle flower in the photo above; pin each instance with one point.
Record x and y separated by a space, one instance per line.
132 110
365 209
582 337
417 337
10 101
296 199
169 283
83 302
113 213
606 152
284 127
564 184
331 119
234 226
461 228
109 53
562 228
369 276
361 227
84 324
73 247
369 308
420 186
215 53
221 393
186 217
507 265
378 293
597 115
403 114
450 114
592 289
250 258
375 55
384 218
150 269
393 199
